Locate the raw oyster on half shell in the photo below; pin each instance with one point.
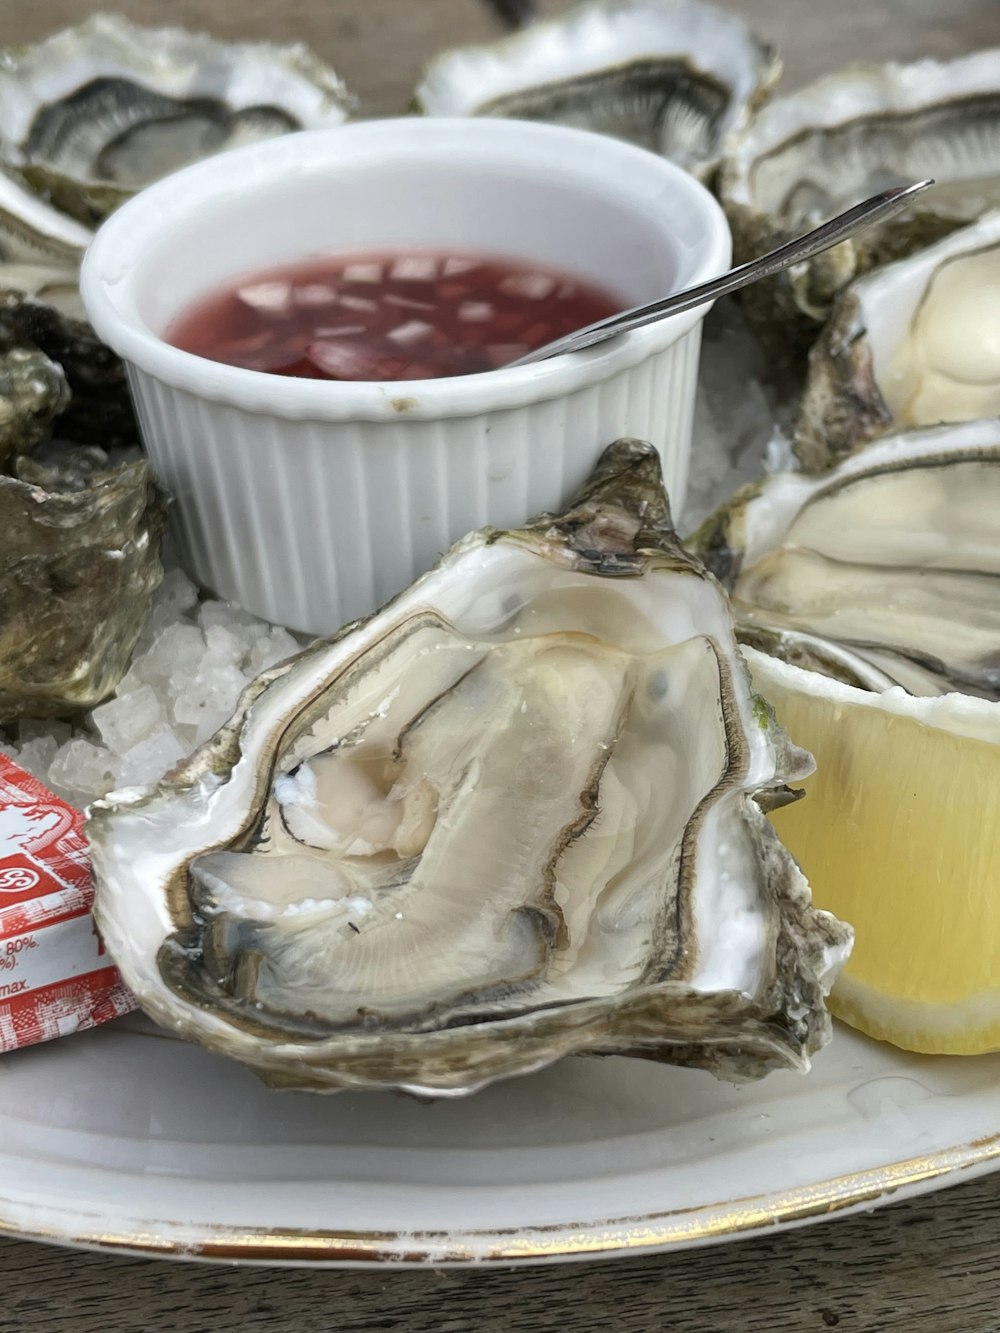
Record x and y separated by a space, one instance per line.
913 344
884 571
79 562
94 113
810 154
516 814
675 76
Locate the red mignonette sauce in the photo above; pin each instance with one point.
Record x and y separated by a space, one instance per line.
405 315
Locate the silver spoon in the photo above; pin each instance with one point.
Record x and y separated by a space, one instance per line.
876 208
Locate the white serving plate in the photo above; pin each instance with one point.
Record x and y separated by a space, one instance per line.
125 1139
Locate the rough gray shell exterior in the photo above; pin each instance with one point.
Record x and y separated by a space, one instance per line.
78 567
33 391
97 409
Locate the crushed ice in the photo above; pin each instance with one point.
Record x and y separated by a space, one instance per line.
190 666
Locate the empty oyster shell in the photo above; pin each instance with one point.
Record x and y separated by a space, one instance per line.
885 571
93 113
515 814
912 344
78 566
674 76
818 150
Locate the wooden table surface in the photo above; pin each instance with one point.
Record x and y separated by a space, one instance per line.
930 1265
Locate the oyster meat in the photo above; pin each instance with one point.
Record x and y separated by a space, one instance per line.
885 571
78 566
675 76
94 113
516 814
912 344
813 153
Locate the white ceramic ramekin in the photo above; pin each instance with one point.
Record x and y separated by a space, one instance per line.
312 502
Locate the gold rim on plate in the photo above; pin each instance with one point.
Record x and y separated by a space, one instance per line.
677 1228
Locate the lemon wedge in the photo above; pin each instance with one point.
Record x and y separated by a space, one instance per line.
899 834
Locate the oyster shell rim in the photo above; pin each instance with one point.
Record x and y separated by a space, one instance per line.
142 51
548 44
734 536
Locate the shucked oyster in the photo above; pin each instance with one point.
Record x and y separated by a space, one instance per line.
883 572
818 150
92 114
78 565
912 344
514 815
675 76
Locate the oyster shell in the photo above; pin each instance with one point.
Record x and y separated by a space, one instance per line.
885 571
40 249
913 344
674 76
41 310
514 815
818 150
99 409
33 391
94 113
78 566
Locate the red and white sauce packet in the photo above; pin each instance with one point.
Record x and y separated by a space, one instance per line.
55 976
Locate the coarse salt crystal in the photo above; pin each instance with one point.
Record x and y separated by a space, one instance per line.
79 769
127 719
150 759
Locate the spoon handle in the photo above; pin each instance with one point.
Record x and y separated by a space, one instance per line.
871 210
